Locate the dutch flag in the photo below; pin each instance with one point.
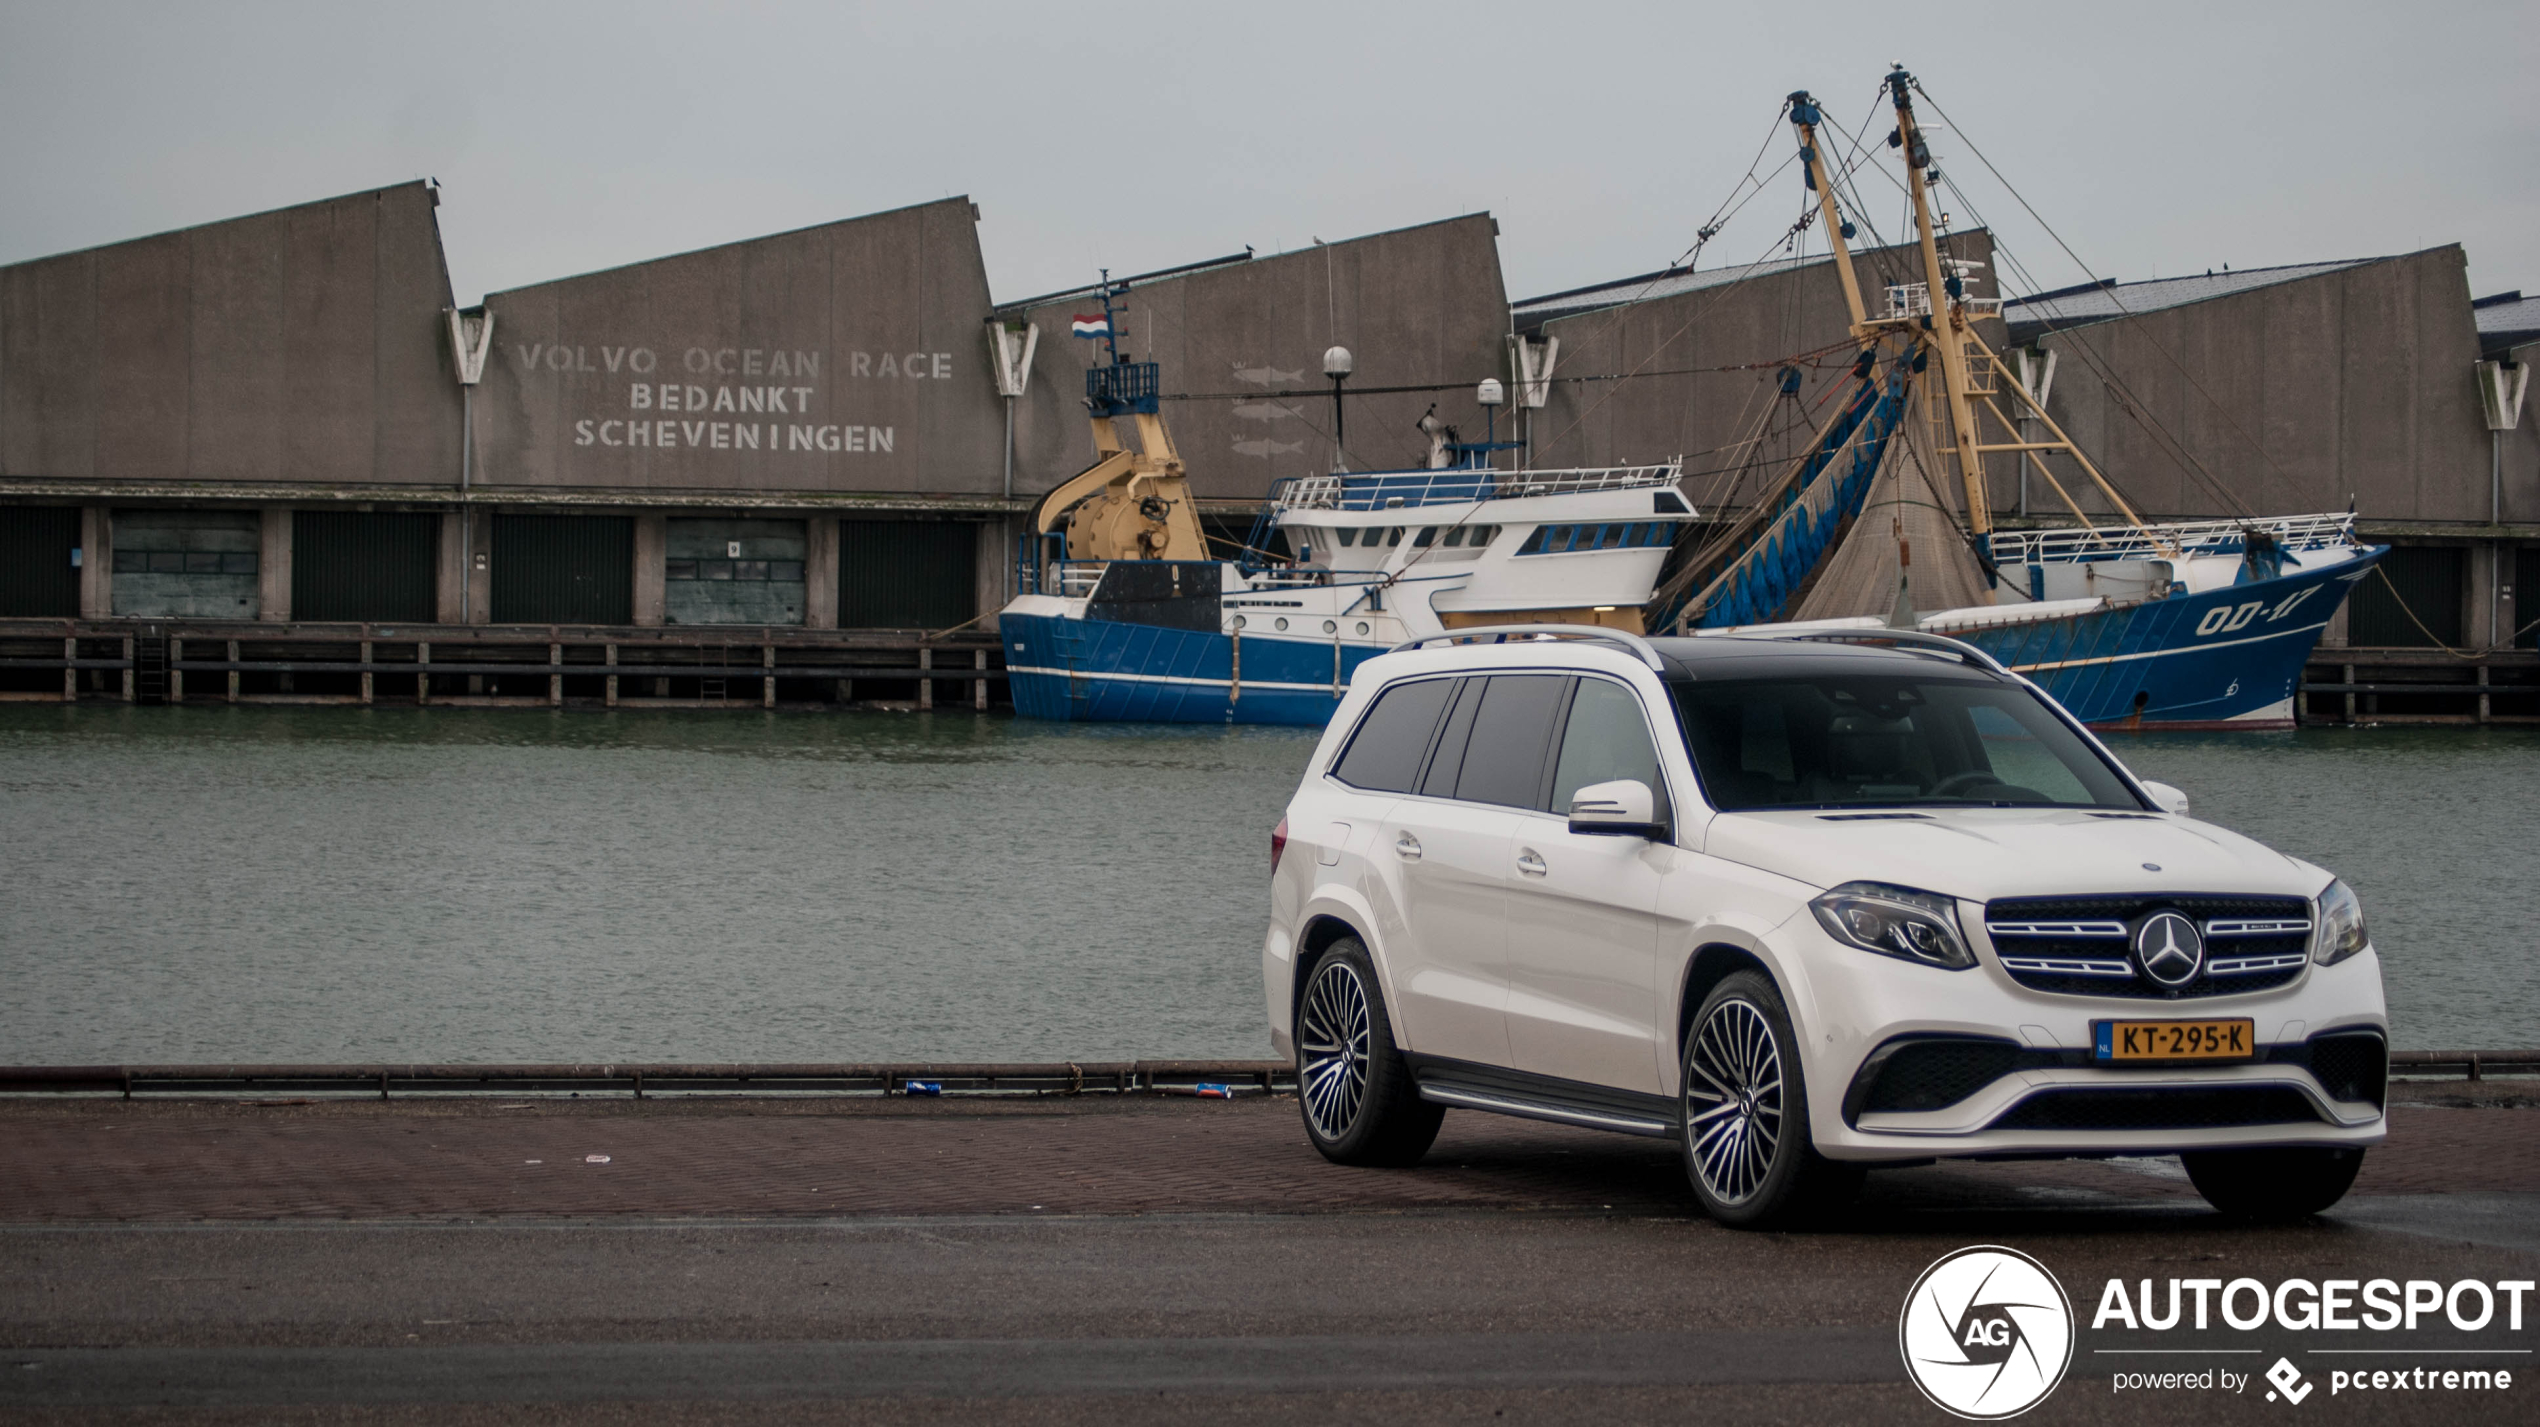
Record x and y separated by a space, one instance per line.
1097 325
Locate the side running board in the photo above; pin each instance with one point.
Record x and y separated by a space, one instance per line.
1541 1097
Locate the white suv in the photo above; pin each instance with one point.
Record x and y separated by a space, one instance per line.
1804 904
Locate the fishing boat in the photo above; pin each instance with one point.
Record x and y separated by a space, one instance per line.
1882 520
1126 616
2127 623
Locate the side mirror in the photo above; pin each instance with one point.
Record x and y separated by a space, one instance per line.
2167 798
1624 808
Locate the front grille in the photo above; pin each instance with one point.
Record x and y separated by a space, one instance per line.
2078 946
1911 1076
2219 1107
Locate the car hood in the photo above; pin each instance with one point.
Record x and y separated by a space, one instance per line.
1983 853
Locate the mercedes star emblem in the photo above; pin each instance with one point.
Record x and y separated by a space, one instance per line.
2168 949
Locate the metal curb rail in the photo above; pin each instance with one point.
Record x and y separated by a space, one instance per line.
2468 1064
1150 1077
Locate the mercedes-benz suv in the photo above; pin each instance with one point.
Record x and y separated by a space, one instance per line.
1804 904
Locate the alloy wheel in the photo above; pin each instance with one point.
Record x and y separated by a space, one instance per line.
1332 1040
1733 1101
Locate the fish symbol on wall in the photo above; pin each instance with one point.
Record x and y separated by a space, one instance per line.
1268 448
1268 376
1265 411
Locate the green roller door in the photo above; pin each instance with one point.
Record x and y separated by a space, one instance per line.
2424 581
733 571
564 569
371 568
2524 607
37 578
907 574
188 564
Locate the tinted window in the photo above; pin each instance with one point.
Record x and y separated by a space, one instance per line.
1448 762
1512 731
1384 754
1853 742
1605 739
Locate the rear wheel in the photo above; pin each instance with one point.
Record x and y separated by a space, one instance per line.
1744 1114
1361 1105
2293 1182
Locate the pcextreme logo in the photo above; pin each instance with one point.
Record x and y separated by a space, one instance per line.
1986 1333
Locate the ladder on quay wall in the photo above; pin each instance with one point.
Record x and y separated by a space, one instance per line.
150 667
713 688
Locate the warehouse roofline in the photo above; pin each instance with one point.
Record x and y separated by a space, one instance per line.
1018 306
738 243
430 188
2505 321
2107 300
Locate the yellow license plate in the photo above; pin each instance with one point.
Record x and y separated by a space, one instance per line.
2175 1040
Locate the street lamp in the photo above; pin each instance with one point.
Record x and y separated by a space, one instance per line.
1336 365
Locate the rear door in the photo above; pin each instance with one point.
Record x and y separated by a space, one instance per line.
1583 910
1449 846
1433 924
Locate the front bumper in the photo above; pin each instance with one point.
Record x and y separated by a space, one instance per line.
2052 1099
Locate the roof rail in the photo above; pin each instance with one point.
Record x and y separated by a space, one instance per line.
1919 639
1648 652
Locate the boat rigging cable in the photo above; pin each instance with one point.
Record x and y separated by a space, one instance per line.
2092 356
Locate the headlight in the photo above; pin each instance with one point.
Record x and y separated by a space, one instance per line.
2337 925
1895 921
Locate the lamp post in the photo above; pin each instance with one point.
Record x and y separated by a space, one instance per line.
1336 365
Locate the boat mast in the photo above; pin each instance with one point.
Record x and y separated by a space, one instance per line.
1804 114
1945 326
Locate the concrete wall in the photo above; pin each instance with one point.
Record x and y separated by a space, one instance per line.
1687 394
301 345
843 358
1415 306
2296 397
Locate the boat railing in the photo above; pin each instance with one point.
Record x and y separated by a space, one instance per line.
1073 579
1386 490
2202 537
1913 299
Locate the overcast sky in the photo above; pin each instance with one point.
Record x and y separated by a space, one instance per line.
2156 138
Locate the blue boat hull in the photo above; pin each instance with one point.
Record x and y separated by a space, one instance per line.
2228 657
1084 670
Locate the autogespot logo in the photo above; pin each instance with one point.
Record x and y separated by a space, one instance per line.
1986 1333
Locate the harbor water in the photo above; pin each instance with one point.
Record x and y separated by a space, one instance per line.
395 884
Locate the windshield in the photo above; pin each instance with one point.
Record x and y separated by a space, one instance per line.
1847 742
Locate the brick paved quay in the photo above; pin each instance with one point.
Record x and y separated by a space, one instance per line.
161 1160
1107 1261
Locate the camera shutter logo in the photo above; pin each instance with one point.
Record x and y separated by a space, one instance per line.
2168 948
1986 1333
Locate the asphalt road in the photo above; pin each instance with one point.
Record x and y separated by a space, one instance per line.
1520 1297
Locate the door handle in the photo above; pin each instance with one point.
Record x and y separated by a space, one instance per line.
1531 862
1407 848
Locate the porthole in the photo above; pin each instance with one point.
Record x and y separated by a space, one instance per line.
1362 626
1239 621
1329 627
1283 622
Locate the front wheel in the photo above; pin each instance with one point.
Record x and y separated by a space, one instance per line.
1361 1105
1744 1113
2293 1182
